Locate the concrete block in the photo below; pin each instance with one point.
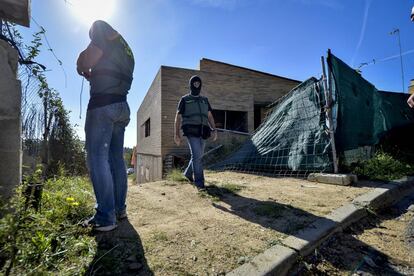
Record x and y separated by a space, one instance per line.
336 179
306 240
10 124
10 134
346 215
277 260
17 11
10 93
10 172
373 199
385 195
8 59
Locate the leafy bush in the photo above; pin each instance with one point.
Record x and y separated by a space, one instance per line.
383 167
49 241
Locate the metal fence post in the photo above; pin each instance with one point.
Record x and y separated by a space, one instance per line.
328 110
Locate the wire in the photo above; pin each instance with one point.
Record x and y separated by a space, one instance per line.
374 61
51 50
22 58
80 99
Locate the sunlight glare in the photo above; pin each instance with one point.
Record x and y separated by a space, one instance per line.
87 11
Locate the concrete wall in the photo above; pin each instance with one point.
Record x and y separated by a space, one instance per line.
227 87
220 89
150 109
149 161
265 88
16 11
148 168
10 121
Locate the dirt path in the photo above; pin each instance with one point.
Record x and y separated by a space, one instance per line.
379 245
185 232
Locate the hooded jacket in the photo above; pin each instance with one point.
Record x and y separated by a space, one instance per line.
113 73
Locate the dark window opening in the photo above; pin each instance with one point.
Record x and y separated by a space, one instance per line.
257 117
219 118
260 113
231 120
147 128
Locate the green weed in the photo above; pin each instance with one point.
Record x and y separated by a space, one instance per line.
48 241
232 188
176 175
383 167
160 236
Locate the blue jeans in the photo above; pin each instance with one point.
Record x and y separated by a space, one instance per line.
195 166
104 129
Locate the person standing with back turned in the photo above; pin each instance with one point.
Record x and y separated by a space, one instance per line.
194 114
108 64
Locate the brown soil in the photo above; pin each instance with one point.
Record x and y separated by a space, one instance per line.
185 232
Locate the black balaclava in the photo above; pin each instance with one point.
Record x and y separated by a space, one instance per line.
195 91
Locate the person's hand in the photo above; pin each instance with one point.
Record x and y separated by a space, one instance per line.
177 139
410 101
79 71
86 75
214 135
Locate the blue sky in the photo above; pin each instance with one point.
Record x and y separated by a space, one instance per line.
283 37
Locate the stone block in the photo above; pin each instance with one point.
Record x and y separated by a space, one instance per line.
10 93
336 179
277 260
10 172
10 134
306 240
346 215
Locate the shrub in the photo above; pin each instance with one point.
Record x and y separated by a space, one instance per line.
49 240
383 167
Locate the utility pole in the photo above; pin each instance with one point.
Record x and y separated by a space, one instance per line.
396 31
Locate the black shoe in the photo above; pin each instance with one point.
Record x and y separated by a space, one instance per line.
122 215
201 188
98 227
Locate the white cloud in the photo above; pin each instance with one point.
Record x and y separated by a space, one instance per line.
363 29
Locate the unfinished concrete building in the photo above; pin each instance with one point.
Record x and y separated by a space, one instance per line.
239 97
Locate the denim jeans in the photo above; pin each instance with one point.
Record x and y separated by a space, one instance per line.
195 166
104 129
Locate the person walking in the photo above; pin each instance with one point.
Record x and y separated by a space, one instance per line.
108 64
194 117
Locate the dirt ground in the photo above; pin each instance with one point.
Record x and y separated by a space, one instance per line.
379 245
185 232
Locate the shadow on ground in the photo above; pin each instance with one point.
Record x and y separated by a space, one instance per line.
270 214
119 252
343 253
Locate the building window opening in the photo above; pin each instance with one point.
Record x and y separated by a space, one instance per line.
231 120
147 128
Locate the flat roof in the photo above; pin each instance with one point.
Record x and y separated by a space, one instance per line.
251 70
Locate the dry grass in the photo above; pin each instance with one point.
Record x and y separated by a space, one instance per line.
185 232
